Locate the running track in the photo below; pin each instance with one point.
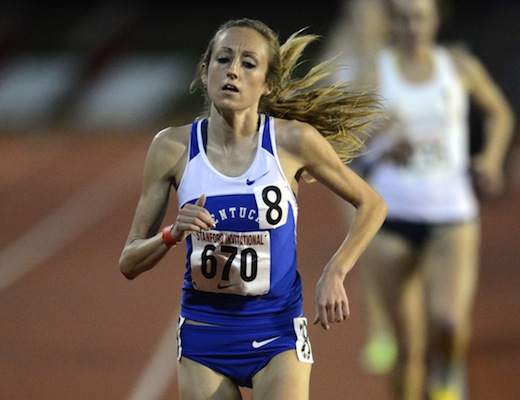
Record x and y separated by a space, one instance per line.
72 327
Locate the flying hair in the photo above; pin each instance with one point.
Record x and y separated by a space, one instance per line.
338 111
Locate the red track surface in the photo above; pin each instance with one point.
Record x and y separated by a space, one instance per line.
72 327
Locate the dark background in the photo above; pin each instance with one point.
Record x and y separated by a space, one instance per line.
57 59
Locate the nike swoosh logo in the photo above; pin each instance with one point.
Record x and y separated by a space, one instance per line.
225 286
249 182
257 345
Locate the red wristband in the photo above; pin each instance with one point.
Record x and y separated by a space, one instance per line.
167 236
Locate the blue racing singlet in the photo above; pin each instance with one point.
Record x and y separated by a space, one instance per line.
244 268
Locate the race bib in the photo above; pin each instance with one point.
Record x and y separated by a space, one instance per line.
273 205
303 343
231 262
430 156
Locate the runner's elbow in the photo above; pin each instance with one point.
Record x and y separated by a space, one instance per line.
379 207
127 268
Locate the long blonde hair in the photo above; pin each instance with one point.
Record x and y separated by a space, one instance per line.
340 113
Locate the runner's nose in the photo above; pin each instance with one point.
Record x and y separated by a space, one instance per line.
232 70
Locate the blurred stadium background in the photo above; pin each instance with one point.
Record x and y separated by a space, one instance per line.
106 65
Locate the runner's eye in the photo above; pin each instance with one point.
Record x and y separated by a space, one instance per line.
222 60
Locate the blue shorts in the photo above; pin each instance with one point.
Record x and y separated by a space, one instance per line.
239 352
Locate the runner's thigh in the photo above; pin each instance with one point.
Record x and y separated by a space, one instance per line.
198 382
284 377
450 265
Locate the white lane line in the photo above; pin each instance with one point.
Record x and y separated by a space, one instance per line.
160 370
70 220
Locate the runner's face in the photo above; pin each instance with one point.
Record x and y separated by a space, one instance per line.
236 74
415 23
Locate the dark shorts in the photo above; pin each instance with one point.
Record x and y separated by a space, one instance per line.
239 352
416 233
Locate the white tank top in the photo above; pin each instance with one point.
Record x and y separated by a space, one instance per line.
435 186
